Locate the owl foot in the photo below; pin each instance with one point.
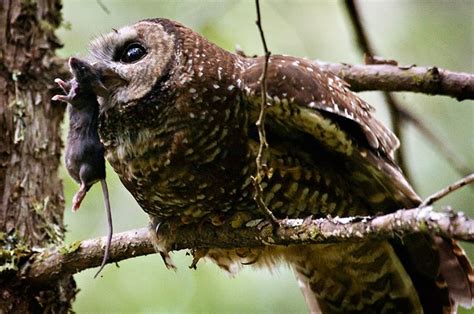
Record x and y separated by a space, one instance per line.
161 240
197 255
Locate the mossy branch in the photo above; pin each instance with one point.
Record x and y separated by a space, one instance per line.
49 264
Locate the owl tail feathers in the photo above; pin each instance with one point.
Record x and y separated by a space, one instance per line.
160 242
457 272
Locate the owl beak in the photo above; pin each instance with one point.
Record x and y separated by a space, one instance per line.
109 78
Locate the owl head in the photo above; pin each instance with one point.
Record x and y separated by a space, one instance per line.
133 58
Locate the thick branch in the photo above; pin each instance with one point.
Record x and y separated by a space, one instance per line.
87 254
394 78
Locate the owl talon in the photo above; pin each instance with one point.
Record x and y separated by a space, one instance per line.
197 255
160 242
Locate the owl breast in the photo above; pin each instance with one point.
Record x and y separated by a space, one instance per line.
184 155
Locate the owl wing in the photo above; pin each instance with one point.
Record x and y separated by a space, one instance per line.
304 100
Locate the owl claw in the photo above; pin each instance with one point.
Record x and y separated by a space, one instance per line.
197 255
160 242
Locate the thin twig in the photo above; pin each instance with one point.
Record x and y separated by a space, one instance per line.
397 125
459 165
365 46
102 6
361 36
447 190
261 127
397 112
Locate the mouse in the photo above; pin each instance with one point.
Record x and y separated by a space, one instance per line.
84 156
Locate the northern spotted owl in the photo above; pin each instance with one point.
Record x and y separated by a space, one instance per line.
179 130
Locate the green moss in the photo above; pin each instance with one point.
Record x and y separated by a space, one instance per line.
11 251
66 249
46 26
418 80
422 226
54 232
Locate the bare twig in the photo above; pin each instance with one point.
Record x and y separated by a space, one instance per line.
397 112
365 46
457 163
102 6
261 126
46 265
362 39
397 123
447 190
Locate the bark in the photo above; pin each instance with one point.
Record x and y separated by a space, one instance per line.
31 199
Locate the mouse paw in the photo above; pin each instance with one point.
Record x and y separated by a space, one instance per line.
70 88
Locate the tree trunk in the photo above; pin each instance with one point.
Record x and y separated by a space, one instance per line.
31 194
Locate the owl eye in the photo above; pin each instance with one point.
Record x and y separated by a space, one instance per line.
133 53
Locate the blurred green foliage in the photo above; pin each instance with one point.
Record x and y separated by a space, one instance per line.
413 32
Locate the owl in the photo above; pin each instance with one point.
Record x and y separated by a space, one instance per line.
178 125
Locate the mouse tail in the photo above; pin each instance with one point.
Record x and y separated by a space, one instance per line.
108 211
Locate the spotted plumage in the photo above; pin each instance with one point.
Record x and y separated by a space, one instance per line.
179 130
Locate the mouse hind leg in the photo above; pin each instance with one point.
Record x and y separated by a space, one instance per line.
78 197
87 178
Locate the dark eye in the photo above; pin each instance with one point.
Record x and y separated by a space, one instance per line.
133 53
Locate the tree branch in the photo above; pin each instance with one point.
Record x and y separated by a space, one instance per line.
76 257
394 78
